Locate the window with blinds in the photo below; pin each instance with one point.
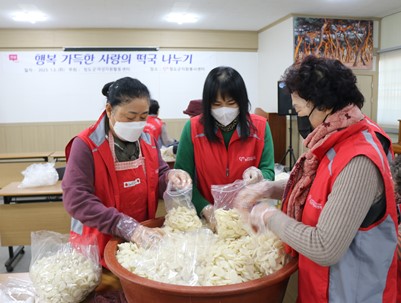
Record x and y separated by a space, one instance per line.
389 90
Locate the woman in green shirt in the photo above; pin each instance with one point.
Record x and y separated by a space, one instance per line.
224 143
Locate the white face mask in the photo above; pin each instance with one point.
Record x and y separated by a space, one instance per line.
129 131
225 115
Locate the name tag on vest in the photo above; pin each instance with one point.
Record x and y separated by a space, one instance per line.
132 183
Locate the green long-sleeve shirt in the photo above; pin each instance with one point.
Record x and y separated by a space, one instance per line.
185 160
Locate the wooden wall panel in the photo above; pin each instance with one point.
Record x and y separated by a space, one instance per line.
17 221
34 137
174 127
279 134
165 39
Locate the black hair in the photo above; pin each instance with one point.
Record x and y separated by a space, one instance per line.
229 83
154 107
327 83
123 90
106 87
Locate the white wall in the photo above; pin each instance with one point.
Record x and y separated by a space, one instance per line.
276 51
390 31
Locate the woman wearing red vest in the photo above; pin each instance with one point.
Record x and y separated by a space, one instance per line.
114 173
156 126
224 143
396 172
339 213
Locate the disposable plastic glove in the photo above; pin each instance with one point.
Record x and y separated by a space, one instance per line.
131 230
147 237
251 194
259 216
252 175
179 178
208 214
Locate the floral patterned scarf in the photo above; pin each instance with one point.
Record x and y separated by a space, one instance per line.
304 171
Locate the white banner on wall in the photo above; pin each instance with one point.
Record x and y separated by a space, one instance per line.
51 86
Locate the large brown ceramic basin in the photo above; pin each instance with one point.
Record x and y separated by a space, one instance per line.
268 289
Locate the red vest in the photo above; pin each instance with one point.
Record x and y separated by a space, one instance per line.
106 185
154 126
367 271
216 164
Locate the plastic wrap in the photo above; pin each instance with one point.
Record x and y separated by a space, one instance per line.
39 174
62 272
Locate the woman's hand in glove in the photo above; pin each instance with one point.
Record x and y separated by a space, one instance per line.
253 193
179 178
146 237
259 216
252 175
250 195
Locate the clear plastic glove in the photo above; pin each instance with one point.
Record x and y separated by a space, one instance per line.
252 175
179 178
147 237
131 230
208 214
259 216
253 193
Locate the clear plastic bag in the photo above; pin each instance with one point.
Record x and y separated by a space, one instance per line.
228 220
62 272
39 174
280 172
181 213
174 197
176 260
15 290
224 194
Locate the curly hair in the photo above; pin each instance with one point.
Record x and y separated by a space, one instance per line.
396 173
395 166
327 83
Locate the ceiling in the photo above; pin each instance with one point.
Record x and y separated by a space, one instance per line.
252 15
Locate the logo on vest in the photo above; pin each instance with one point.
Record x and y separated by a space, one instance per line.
247 159
151 126
132 183
314 203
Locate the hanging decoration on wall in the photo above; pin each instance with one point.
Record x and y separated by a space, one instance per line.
350 41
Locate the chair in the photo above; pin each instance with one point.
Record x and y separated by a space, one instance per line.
397 145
